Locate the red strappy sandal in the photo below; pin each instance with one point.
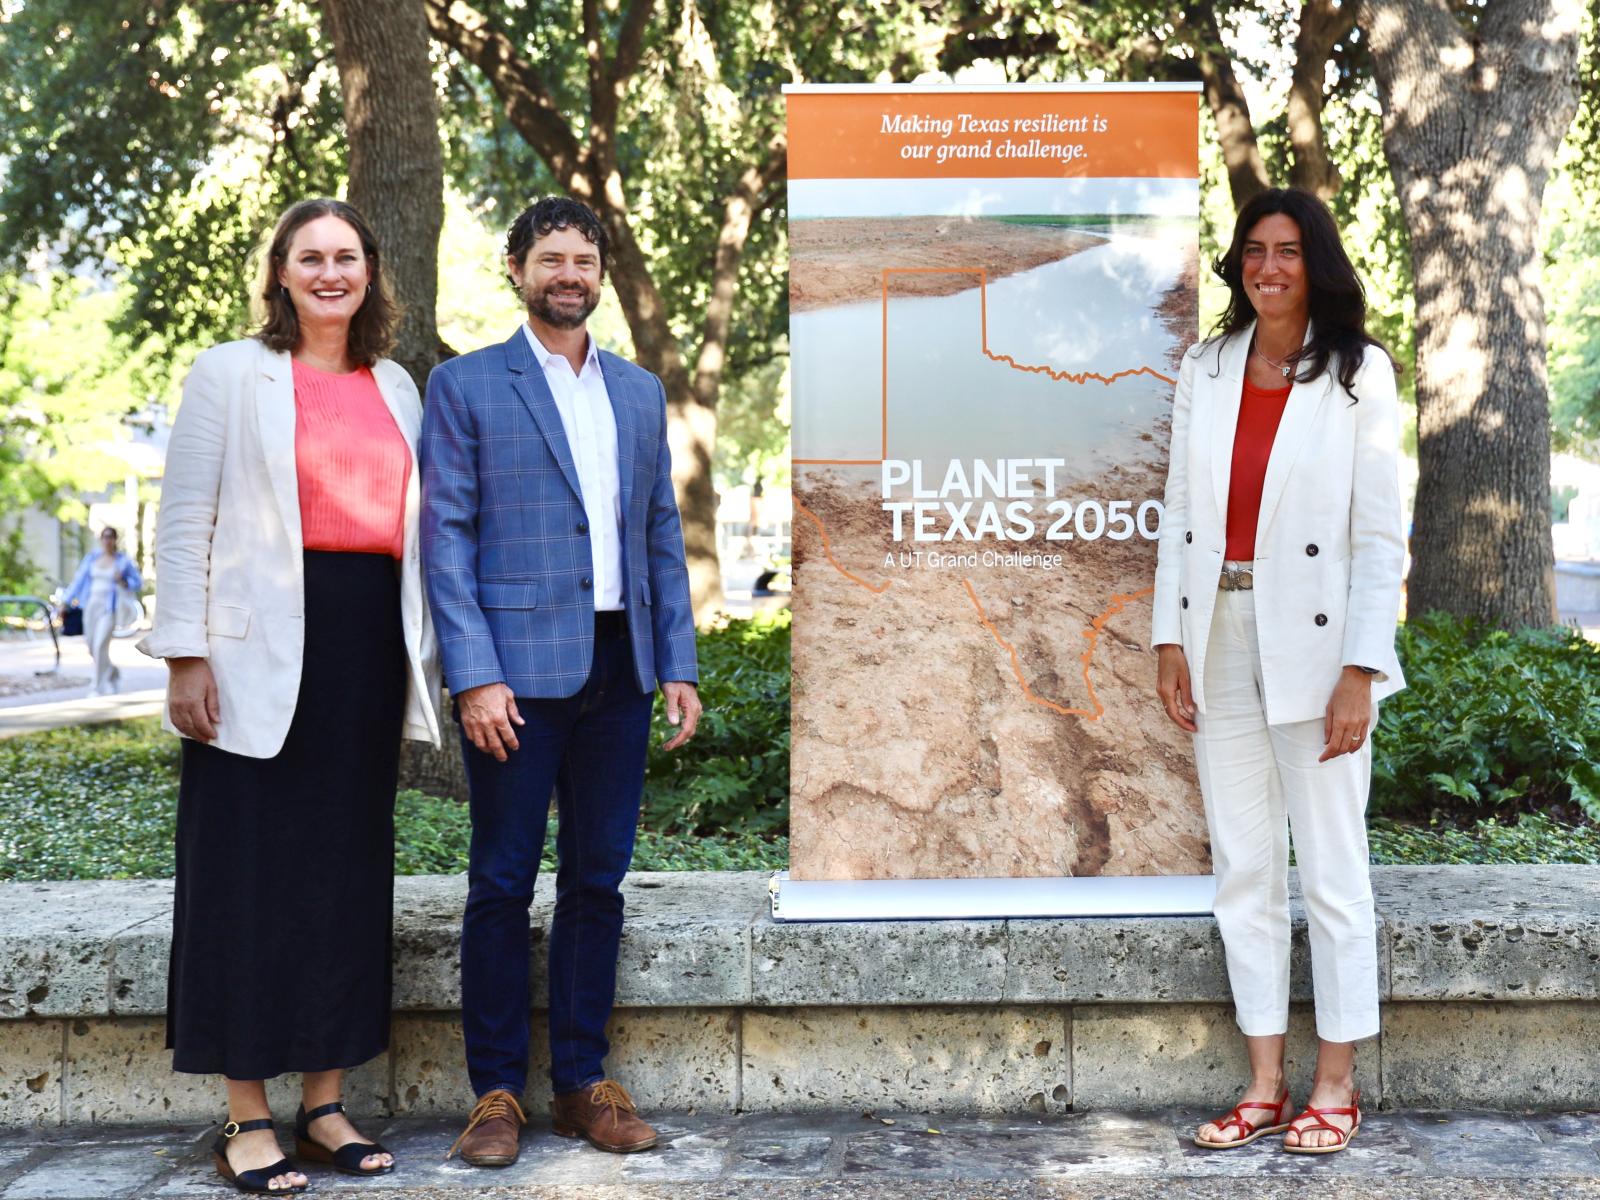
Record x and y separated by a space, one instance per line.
1274 1124
1320 1116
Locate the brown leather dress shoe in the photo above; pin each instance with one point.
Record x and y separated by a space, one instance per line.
603 1115
491 1136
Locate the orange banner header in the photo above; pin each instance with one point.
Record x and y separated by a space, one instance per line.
1021 134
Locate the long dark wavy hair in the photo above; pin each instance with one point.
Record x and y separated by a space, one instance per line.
1338 301
371 329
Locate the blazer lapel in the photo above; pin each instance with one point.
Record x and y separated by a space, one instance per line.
530 384
1225 392
275 419
404 415
1299 415
627 429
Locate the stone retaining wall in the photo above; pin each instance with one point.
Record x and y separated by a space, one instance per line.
1491 978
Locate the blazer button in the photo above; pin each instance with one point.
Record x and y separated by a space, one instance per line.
1189 537
1322 618
1312 551
583 527
1186 602
586 583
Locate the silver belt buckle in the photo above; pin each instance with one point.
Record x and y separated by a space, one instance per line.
1236 579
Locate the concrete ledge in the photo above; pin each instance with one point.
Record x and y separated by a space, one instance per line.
1492 977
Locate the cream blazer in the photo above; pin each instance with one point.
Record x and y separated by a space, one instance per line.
230 576
1330 546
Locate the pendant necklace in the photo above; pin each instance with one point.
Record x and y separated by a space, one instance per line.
1282 365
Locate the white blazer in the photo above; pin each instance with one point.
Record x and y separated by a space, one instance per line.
1330 545
230 576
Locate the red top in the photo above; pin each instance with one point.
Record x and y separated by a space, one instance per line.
1260 410
353 463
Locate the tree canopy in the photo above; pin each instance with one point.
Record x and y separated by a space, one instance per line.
148 146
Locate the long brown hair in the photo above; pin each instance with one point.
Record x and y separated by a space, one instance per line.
371 329
1338 302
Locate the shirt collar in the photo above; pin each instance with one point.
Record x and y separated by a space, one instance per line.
545 354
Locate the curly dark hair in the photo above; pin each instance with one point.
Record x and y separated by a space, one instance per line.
548 215
372 329
1338 301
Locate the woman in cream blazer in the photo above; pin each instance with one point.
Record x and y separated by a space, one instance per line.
292 618
1277 593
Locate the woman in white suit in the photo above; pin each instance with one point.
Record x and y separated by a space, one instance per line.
300 651
1277 594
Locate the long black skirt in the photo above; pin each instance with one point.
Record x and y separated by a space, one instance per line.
285 866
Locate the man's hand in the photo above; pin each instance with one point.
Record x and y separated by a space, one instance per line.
683 705
487 714
1172 685
1344 722
192 698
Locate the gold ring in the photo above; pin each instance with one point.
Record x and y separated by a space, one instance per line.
232 1126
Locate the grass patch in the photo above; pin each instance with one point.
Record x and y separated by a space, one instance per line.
1104 220
432 837
100 802
90 803
1533 838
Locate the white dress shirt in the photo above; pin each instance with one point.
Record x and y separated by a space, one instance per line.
591 429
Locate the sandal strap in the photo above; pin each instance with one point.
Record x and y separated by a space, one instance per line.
324 1110
1232 1119
239 1127
260 1177
1321 1115
350 1155
1236 1114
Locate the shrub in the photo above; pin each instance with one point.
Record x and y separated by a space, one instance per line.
1490 722
734 775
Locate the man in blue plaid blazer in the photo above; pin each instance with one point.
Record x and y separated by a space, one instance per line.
555 568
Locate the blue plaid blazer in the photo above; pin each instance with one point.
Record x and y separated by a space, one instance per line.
509 574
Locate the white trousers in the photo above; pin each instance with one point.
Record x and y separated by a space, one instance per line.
97 626
1260 781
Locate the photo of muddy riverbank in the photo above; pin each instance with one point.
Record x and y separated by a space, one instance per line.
840 260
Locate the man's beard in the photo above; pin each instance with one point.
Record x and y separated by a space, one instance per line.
539 305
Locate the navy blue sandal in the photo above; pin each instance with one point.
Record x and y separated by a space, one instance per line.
347 1158
253 1181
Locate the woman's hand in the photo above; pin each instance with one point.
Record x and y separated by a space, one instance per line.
192 698
1172 685
1344 724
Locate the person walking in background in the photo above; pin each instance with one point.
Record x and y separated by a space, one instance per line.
102 578
1276 598
555 566
300 650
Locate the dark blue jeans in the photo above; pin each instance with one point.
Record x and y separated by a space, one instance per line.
590 749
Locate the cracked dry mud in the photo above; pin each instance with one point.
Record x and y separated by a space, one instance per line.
922 749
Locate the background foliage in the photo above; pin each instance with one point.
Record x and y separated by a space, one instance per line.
100 802
1490 723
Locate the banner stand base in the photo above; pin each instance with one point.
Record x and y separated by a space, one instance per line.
996 899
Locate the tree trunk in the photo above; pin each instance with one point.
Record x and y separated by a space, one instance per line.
1322 25
391 113
1247 173
436 772
1472 123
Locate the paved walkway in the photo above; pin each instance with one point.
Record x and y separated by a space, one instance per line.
1106 1155
144 682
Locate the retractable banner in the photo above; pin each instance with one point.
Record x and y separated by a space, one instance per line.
991 290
